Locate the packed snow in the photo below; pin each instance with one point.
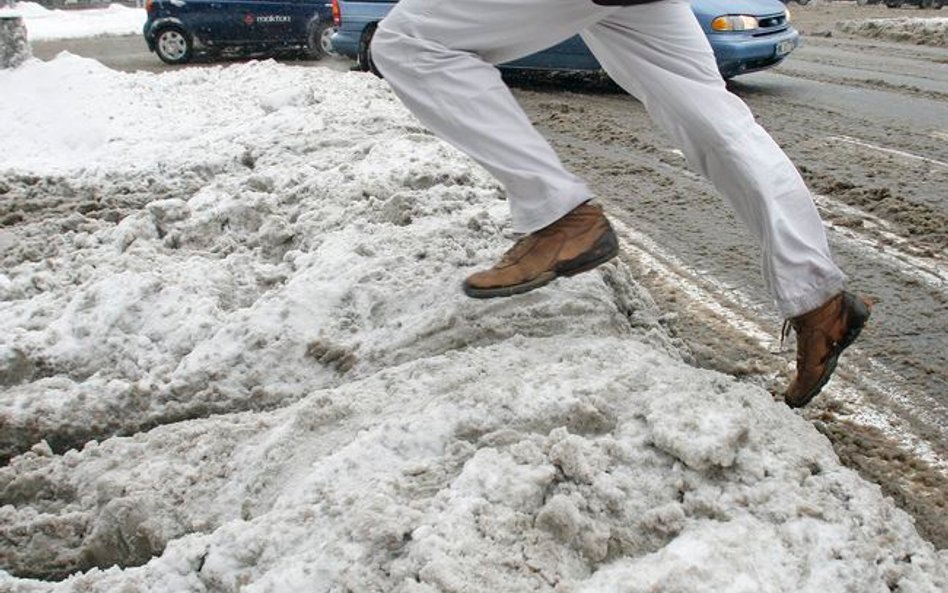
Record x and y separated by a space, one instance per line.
43 24
234 356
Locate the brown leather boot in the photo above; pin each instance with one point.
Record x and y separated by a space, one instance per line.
578 242
822 335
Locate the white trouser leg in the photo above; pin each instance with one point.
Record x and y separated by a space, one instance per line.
659 54
437 56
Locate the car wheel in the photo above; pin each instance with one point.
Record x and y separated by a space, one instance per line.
926 3
365 52
894 3
862 2
319 40
174 45
803 2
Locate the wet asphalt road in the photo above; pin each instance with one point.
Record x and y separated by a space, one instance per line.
130 53
866 122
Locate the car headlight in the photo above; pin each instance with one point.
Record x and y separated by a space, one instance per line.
734 22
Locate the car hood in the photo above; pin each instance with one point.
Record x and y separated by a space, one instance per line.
714 8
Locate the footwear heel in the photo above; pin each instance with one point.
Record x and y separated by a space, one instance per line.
605 248
860 313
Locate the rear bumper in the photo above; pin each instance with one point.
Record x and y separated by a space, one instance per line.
346 43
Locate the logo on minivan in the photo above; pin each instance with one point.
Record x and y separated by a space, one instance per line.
266 19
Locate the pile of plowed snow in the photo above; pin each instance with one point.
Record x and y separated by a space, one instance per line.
921 31
235 357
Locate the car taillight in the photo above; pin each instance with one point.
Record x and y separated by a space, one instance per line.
336 14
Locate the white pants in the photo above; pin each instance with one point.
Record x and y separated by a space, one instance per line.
438 55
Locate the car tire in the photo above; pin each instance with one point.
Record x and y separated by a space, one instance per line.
364 59
862 2
803 2
318 41
926 3
894 3
174 45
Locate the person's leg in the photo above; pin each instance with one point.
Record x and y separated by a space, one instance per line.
659 54
437 55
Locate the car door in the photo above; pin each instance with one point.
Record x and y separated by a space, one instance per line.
272 21
219 20
214 21
232 21
200 17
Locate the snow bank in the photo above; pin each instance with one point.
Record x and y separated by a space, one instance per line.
252 272
921 31
43 24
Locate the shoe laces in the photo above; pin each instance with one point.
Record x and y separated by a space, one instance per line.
785 331
515 251
790 324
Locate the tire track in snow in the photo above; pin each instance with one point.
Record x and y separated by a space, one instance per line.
896 251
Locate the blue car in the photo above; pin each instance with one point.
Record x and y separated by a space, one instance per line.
176 29
746 35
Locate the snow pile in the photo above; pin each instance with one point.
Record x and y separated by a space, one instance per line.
253 272
43 24
921 31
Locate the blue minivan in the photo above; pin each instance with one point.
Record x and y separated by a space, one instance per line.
175 29
746 35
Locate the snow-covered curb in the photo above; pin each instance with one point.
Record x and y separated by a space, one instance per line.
262 263
43 24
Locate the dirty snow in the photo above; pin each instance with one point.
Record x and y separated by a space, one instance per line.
234 357
921 31
43 24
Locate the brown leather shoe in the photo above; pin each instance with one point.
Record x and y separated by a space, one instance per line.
822 335
576 243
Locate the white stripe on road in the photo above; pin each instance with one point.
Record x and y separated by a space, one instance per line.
901 153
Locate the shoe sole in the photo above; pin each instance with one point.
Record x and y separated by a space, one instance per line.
860 313
605 248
